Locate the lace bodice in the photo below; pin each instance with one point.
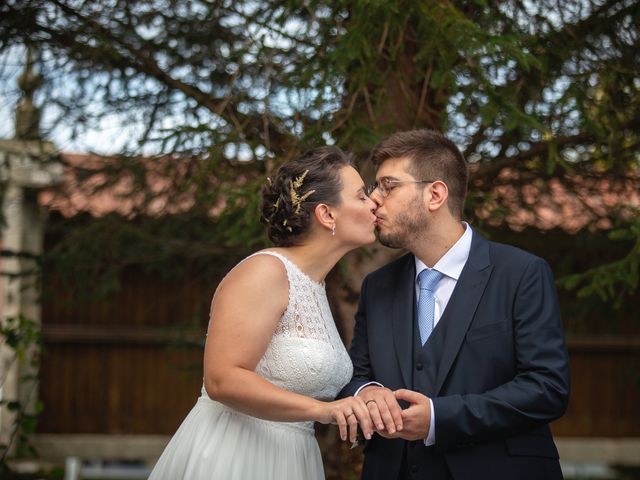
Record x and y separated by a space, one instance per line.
306 354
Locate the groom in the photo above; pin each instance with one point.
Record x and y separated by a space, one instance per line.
458 348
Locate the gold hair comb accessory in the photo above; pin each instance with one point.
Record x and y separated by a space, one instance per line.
296 200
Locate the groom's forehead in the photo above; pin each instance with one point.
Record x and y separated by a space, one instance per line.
391 167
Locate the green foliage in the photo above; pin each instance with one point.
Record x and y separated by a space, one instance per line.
612 281
226 91
239 221
22 335
88 255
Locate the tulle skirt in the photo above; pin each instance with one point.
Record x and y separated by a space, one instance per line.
216 442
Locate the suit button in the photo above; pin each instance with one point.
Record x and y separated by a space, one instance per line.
414 468
419 366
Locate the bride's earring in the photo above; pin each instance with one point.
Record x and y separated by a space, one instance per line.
333 230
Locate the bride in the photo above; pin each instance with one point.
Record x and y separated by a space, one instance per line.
273 359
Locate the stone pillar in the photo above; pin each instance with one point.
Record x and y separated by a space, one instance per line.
23 175
27 165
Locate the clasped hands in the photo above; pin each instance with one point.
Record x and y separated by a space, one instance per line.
376 409
390 420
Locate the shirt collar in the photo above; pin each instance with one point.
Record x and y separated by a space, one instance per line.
452 262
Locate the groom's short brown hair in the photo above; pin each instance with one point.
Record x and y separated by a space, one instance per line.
432 156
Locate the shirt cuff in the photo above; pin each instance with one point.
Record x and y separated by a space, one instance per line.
366 385
431 437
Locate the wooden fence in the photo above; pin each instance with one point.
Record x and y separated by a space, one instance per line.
132 365
605 387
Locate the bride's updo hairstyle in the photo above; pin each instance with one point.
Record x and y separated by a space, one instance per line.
290 196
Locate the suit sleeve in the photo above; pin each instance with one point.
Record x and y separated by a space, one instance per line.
359 350
539 391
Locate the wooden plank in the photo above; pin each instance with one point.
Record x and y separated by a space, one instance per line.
116 334
603 343
57 447
79 332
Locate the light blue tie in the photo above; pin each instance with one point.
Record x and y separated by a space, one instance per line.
427 279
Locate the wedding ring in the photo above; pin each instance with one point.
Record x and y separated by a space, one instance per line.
369 401
352 413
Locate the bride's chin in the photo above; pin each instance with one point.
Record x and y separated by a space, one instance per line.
372 238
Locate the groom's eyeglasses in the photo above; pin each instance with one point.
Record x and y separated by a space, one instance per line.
385 185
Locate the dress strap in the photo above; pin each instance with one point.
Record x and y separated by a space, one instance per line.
282 258
293 270
288 265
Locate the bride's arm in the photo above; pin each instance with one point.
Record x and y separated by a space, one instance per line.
244 313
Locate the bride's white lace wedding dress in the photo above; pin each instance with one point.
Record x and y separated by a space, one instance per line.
307 356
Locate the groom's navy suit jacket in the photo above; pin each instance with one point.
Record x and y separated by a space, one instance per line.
495 367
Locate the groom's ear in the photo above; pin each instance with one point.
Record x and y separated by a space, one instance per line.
324 215
439 195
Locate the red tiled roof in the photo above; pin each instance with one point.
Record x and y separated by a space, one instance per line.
590 202
86 189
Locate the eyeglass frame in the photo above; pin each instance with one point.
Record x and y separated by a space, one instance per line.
384 190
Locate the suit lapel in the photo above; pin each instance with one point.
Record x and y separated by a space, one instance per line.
402 317
463 304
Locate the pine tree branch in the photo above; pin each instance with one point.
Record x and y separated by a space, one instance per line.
144 62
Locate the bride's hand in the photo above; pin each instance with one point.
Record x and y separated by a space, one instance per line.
348 413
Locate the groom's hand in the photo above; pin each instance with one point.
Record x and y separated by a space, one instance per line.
384 409
417 417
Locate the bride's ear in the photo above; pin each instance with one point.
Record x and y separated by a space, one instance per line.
325 216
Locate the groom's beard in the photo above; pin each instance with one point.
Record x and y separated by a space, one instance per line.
407 228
